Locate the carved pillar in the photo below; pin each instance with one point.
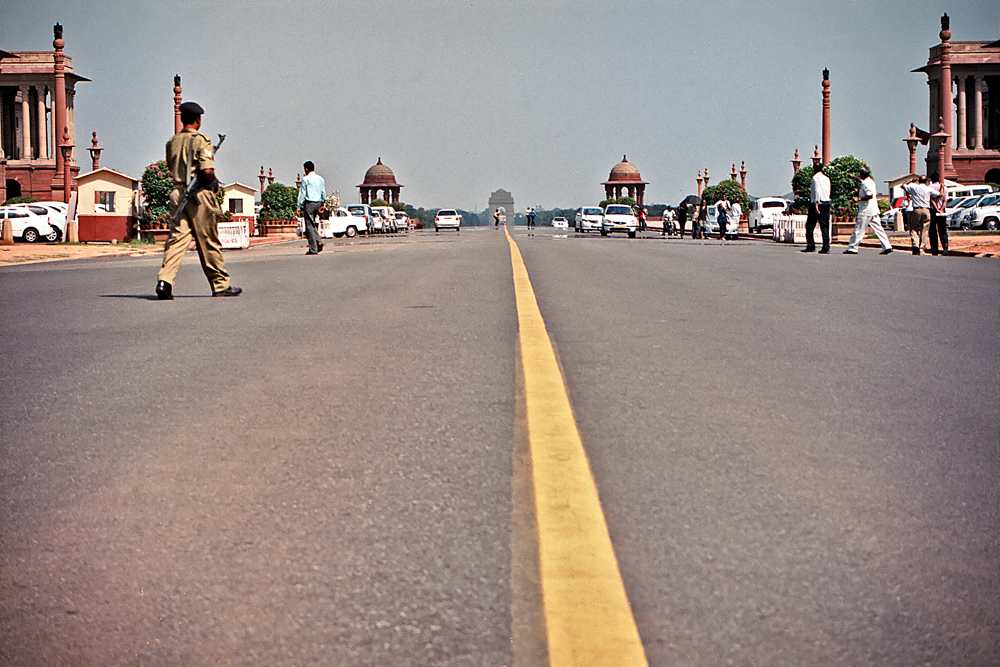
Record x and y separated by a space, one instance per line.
934 94
826 116
43 134
25 123
977 113
178 126
743 174
71 122
60 108
948 170
962 114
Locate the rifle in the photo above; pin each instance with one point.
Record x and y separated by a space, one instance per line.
192 188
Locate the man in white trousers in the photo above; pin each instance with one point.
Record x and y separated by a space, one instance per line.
867 215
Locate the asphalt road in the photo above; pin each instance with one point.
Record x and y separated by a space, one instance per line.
798 456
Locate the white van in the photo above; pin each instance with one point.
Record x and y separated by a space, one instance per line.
764 210
388 214
955 191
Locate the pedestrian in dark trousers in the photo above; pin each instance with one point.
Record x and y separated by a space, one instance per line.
819 212
312 194
682 214
700 222
496 218
939 221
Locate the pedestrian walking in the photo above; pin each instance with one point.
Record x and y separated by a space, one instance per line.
819 212
868 215
939 219
735 213
700 221
722 216
496 218
193 209
642 218
920 218
312 194
531 218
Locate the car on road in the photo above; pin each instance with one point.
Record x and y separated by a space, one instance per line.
389 215
341 223
763 212
402 222
588 219
560 223
447 218
984 214
363 211
712 226
30 223
619 218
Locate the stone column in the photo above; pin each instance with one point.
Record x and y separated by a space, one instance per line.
962 114
25 123
178 126
71 122
43 134
934 95
977 115
948 169
826 117
60 108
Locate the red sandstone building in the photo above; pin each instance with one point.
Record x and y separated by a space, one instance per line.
380 183
29 111
971 103
625 180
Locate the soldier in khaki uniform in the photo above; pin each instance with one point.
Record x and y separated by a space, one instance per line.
190 155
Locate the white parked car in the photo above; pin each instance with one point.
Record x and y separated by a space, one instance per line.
402 222
711 228
388 215
985 214
31 223
619 218
341 223
588 218
363 211
763 212
560 223
447 218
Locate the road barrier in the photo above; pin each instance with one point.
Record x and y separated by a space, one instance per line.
792 229
234 234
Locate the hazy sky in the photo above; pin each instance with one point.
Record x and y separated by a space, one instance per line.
541 98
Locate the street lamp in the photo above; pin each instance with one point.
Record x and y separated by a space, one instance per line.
911 145
72 234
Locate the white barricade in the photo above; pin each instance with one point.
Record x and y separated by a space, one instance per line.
234 234
792 229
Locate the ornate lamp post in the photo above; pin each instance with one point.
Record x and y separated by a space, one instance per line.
72 232
911 145
270 176
743 174
796 162
698 180
945 166
817 160
262 178
95 152
732 174
826 116
942 138
177 104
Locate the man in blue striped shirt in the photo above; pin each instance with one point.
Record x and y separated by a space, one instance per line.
312 194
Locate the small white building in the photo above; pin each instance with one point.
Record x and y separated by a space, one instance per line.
239 202
108 205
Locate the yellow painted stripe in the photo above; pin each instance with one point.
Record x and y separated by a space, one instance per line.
587 615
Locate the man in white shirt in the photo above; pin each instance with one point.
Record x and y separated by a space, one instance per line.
819 211
867 215
920 218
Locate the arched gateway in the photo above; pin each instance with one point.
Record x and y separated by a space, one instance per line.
503 201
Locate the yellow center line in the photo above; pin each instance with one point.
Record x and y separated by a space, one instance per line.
587 615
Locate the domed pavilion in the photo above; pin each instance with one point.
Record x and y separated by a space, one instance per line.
380 179
625 180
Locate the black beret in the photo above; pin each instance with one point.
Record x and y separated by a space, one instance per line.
192 107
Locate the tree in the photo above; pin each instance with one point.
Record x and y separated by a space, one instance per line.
398 206
379 202
730 190
20 200
628 201
279 203
843 189
157 183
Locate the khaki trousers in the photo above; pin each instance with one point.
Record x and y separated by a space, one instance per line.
200 221
920 220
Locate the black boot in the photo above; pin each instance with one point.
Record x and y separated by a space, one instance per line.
164 291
